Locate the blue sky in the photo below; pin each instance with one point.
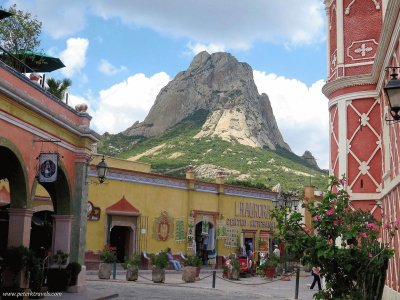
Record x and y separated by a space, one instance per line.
119 54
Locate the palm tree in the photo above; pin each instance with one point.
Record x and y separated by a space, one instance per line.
58 87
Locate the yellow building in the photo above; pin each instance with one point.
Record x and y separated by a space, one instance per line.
137 211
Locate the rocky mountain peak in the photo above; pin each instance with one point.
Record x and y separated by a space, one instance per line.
225 88
309 158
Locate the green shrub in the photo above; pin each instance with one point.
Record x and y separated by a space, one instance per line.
134 260
271 261
159 260
74 268
192 261
108 256
60 258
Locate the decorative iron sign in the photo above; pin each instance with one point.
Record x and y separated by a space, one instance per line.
48 166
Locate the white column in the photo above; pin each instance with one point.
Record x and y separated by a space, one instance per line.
339 32
342 123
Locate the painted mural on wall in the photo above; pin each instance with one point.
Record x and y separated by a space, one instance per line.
93 212
221 230
190 234
163 227
180 230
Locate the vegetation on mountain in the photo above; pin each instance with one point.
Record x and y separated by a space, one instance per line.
175 149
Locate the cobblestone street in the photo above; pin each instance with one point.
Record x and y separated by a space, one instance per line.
174 288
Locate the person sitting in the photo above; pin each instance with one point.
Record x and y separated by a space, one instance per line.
174 262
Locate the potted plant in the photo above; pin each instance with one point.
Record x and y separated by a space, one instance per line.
16 264
107 257
269 265
132 267
36 277
57 278
191 269
73 270
225 269
159 262
234 270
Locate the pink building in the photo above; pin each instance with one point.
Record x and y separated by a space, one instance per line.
363 41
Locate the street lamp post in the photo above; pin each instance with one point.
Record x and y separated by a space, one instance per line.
286 202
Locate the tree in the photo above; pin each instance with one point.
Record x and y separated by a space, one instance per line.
58 87
344 243
20 32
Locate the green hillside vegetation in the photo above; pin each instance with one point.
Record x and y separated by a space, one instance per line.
261 168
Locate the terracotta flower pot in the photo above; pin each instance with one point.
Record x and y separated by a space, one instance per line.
269 272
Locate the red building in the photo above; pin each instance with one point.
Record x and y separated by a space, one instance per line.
363 41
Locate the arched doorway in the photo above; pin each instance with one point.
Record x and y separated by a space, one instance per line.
14 216
205 240
120 238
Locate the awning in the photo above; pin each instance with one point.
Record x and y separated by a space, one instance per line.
123 208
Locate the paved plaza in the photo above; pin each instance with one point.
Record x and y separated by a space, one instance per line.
175 288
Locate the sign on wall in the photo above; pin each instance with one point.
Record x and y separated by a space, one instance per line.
48 166
231 240
163 227
93 212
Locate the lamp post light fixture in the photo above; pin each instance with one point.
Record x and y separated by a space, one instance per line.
392 90
102 169
286 202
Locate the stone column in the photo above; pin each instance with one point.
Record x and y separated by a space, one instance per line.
19 234
62 233
79 208
19 226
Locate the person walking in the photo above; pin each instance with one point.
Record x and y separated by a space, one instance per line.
174 262
317 278
277 252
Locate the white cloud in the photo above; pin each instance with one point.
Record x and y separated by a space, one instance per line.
210 48
301 113
74 56
107 68
59 19
236 24
232 23
126 102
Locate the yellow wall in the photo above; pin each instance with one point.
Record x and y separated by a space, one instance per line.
180 198
151 200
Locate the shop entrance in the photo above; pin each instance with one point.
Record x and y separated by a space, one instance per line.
120 238
205 241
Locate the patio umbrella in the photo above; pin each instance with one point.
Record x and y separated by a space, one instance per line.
34 61
4 14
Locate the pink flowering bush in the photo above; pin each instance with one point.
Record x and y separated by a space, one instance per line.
343 242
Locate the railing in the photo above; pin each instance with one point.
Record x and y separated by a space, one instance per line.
12 61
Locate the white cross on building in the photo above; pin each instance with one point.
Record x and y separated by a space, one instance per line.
363 50
334 60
